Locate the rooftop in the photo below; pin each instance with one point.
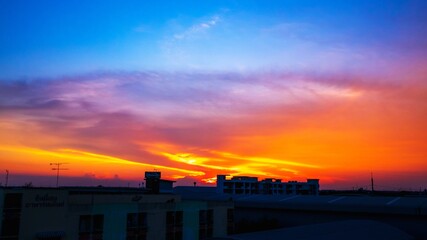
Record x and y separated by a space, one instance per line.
349 230
411 205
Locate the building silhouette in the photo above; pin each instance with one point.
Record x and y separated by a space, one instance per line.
269 186
95 213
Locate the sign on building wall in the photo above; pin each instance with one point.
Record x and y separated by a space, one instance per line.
44 200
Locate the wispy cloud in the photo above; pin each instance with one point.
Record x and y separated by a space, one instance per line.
198 28
182 38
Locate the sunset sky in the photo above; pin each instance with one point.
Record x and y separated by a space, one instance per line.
293 90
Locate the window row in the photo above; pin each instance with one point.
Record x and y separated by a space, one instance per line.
91 227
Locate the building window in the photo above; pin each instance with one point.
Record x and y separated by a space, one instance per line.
11 216
205 224
91 227
230 221
174 223
136 228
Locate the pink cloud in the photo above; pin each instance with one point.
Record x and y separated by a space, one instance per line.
121 114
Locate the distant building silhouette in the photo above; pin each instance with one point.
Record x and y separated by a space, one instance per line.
271 186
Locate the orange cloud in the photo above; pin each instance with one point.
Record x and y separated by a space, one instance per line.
287 126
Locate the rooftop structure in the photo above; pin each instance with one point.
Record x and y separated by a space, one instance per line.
154 183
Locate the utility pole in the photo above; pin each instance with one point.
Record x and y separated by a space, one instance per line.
7 177
57 168
372 182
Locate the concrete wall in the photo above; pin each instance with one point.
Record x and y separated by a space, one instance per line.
51 210
220 221
43 211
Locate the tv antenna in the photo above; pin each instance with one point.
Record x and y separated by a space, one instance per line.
58 168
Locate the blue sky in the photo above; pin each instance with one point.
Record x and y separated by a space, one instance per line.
51 38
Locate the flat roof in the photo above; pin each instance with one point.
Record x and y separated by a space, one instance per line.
349 230
410 205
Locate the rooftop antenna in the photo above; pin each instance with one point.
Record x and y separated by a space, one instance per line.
58 168
7 177
372 182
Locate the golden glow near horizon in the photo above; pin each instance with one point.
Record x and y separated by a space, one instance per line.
81 161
